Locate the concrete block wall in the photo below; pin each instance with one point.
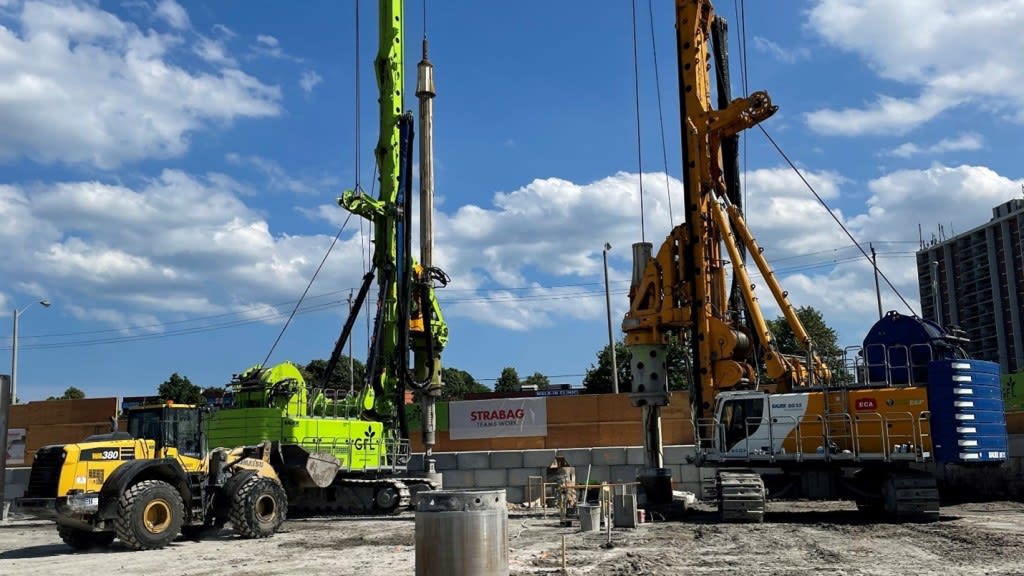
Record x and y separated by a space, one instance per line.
511 469
15 482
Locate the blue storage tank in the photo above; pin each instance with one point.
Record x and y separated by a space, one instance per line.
898 349
968 424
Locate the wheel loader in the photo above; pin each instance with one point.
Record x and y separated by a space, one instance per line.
147 485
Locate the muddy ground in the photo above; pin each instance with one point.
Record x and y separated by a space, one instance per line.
797 538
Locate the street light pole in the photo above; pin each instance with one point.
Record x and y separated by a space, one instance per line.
14 348
608 305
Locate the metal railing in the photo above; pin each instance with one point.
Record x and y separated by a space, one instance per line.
842 437
909 367
382 454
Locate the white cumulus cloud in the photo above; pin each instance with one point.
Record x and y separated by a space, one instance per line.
310 80
172 12
949 53
963 142
81 86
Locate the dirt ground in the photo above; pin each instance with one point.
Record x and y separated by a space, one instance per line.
797 538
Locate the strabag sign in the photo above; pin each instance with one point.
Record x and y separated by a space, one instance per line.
501 418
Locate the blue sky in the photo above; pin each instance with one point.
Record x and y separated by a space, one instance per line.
170 169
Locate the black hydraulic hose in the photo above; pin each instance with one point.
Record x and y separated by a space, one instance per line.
731 167
373 361
730 144
346 331
406 139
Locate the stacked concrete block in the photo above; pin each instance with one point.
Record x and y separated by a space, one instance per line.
521 476
507 459
679 454
416 462
511 469
613 456
538 458
458 479
491 478
446 461
16 481
593 474
623 473
473 460
577 457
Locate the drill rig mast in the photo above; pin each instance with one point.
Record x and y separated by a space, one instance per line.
408 315
801 433
683 288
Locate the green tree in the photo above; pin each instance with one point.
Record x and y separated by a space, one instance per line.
458 383
71 393
821 334
539 380
508 381
313 372
181 390
214 392
598 379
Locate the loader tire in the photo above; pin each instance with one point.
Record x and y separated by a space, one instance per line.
84 539
149 515
258 508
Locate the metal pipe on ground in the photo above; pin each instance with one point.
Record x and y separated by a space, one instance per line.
462 533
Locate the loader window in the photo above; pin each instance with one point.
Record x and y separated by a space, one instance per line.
740 419
145 424
183 431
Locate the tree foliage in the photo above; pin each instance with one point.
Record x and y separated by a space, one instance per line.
313 372
598 379
181 390
821 334
537 379
71 393
508 381
214 392
458 383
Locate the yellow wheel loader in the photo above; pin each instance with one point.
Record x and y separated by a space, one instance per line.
155 481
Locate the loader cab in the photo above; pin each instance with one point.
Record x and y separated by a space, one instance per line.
738 416
178 426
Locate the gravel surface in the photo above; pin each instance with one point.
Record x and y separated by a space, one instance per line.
797 538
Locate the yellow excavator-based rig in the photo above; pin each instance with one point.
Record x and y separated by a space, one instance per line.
764 422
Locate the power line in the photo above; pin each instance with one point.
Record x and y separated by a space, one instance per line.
263 314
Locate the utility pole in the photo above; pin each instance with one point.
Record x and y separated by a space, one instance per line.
878 291
5 406
608 306
14 349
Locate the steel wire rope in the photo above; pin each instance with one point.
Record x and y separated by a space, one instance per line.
179 332
247 311
271 316
156 325
740 8
661 116
639 149
306 291
833 216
